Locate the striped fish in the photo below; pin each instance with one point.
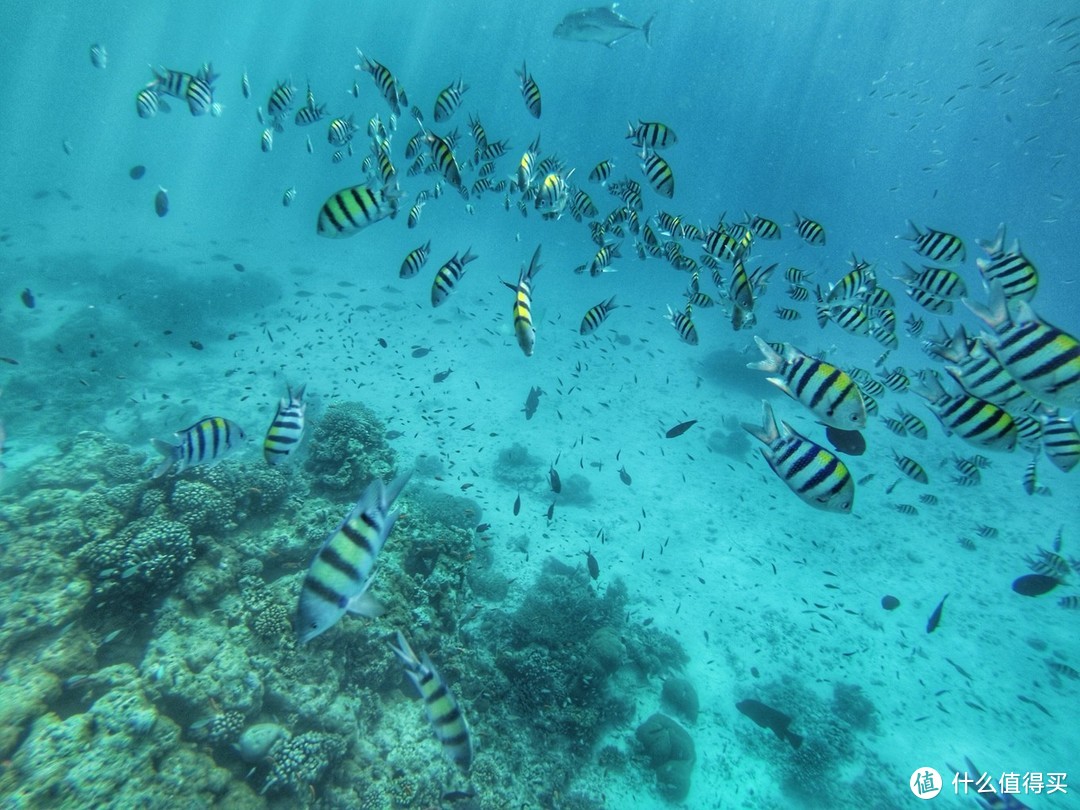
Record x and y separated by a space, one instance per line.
448 100
913 326
602 260
596 316
1043 359
895 380
740 290
281 99
1061 441
530 91
788 314
974 420
448 276
652 134
894 426
659 174
937 281
938 246
1013 270
148 102
830 394
523 323
911 468
310 114
443 711
602 171
811 232
340 131
582 206
170 82
683 325
206 442
813 473
912 424
340 574
929 301
287 429
442 153
415 261
1030 481
763 229
200 94
389 86
1028 431
851 319
350 210
414 215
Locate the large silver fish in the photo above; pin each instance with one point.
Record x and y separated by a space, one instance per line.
600 24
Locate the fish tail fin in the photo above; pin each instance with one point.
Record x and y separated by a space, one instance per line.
767 432
170 452
995 313
772 361
913 231
997 246
646 29
928 386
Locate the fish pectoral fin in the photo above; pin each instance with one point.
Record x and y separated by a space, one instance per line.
364 604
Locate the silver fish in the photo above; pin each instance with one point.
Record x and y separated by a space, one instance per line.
600 24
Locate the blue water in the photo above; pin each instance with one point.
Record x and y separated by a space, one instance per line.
859 116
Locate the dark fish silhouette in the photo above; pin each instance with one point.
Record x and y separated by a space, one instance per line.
624 476
770 718
28 298
137 172
1035 584
890 602
593 565
846 441
441 375
935 617
517 504
680 429
556 482
161 202
532 401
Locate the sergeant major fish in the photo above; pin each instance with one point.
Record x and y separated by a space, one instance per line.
601 24
443 711
338 578
205 442
817 476
287 429
523 324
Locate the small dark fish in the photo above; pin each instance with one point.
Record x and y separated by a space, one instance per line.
532 401
441 375
11 361
28 298
846 441
770 718
383 343
239 268
556 482
161 202
624 476
680 429
420 351
517 504
482 527
551 511
1035 584
594 566
196 345
137 172
393 434
890 602
935 617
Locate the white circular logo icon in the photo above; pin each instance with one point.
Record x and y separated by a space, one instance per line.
925 783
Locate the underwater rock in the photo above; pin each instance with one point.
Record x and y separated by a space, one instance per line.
575 491
348 449
200 507
607 649
142 560
518 468
671 754
302 761
257 741
680 695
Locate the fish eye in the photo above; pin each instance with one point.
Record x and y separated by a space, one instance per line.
854 417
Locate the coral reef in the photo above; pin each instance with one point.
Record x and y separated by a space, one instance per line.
518 468
671 754
680 695
348 449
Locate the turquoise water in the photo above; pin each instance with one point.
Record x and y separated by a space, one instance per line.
147 631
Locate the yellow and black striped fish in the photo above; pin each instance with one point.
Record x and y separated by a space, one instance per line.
415 261
652 134
937 281
205 442
341 131
285 432
523 323
443 156
1061 442
830 393
763 228
448 276
309 114
816 475
389 86
1043 359
443 711
602 171
911 468
1012 269
350 210
659 174
912 424
683 325
340 574
414 213
281 99
811 232
974 420
938 246
597 315
530 91
448 100
602 260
